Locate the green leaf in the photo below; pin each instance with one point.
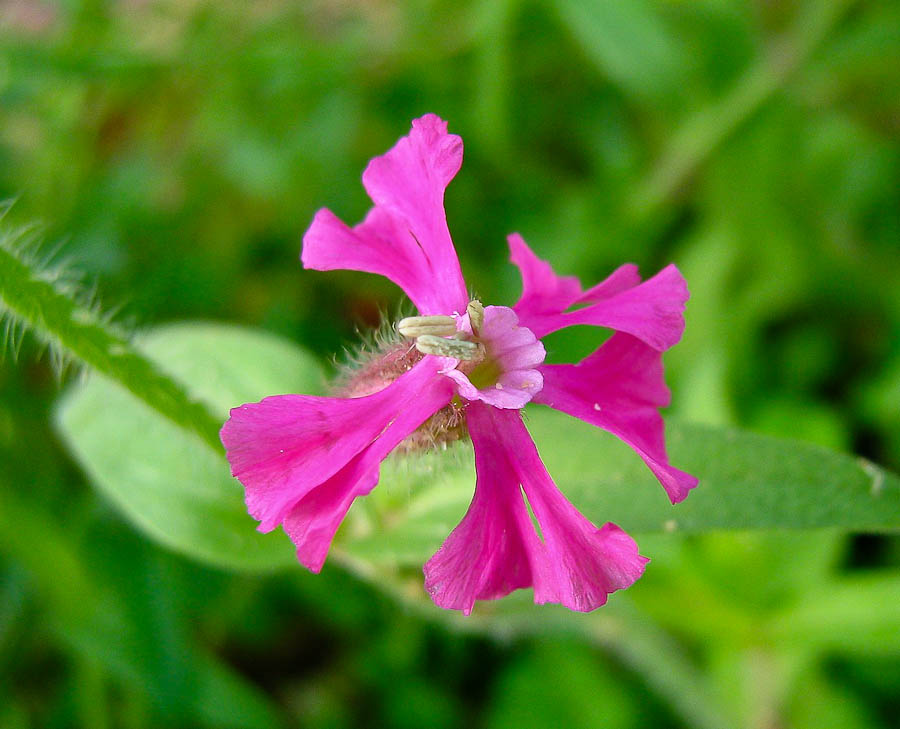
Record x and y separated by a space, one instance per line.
167 480
747 482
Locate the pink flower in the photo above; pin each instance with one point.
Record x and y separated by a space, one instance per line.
304 459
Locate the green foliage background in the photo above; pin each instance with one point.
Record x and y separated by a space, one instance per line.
177 152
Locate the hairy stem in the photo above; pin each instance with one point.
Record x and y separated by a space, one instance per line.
40 301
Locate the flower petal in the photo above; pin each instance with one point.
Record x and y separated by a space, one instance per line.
405 236
543 291
495 548
409 182
652 311
580 564
283 446
624 277
512 391
377 245
314 520
489 554
619 388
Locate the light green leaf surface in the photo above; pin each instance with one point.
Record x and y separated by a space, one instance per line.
166 480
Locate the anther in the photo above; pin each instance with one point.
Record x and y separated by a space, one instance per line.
437 326
455 348
475 310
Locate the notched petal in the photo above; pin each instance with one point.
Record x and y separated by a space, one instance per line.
487 555
620 389
495 548
653 311
303 459
542 289
405 236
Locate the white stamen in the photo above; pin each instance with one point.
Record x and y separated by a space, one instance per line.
437 326
597 406
475 310
455 348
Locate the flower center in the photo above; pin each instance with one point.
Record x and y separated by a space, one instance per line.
485 374
489 356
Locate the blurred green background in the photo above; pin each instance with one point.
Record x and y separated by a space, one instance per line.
177 151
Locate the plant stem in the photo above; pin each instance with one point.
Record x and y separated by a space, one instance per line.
50 308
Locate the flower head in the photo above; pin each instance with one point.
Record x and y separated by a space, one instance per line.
304 459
